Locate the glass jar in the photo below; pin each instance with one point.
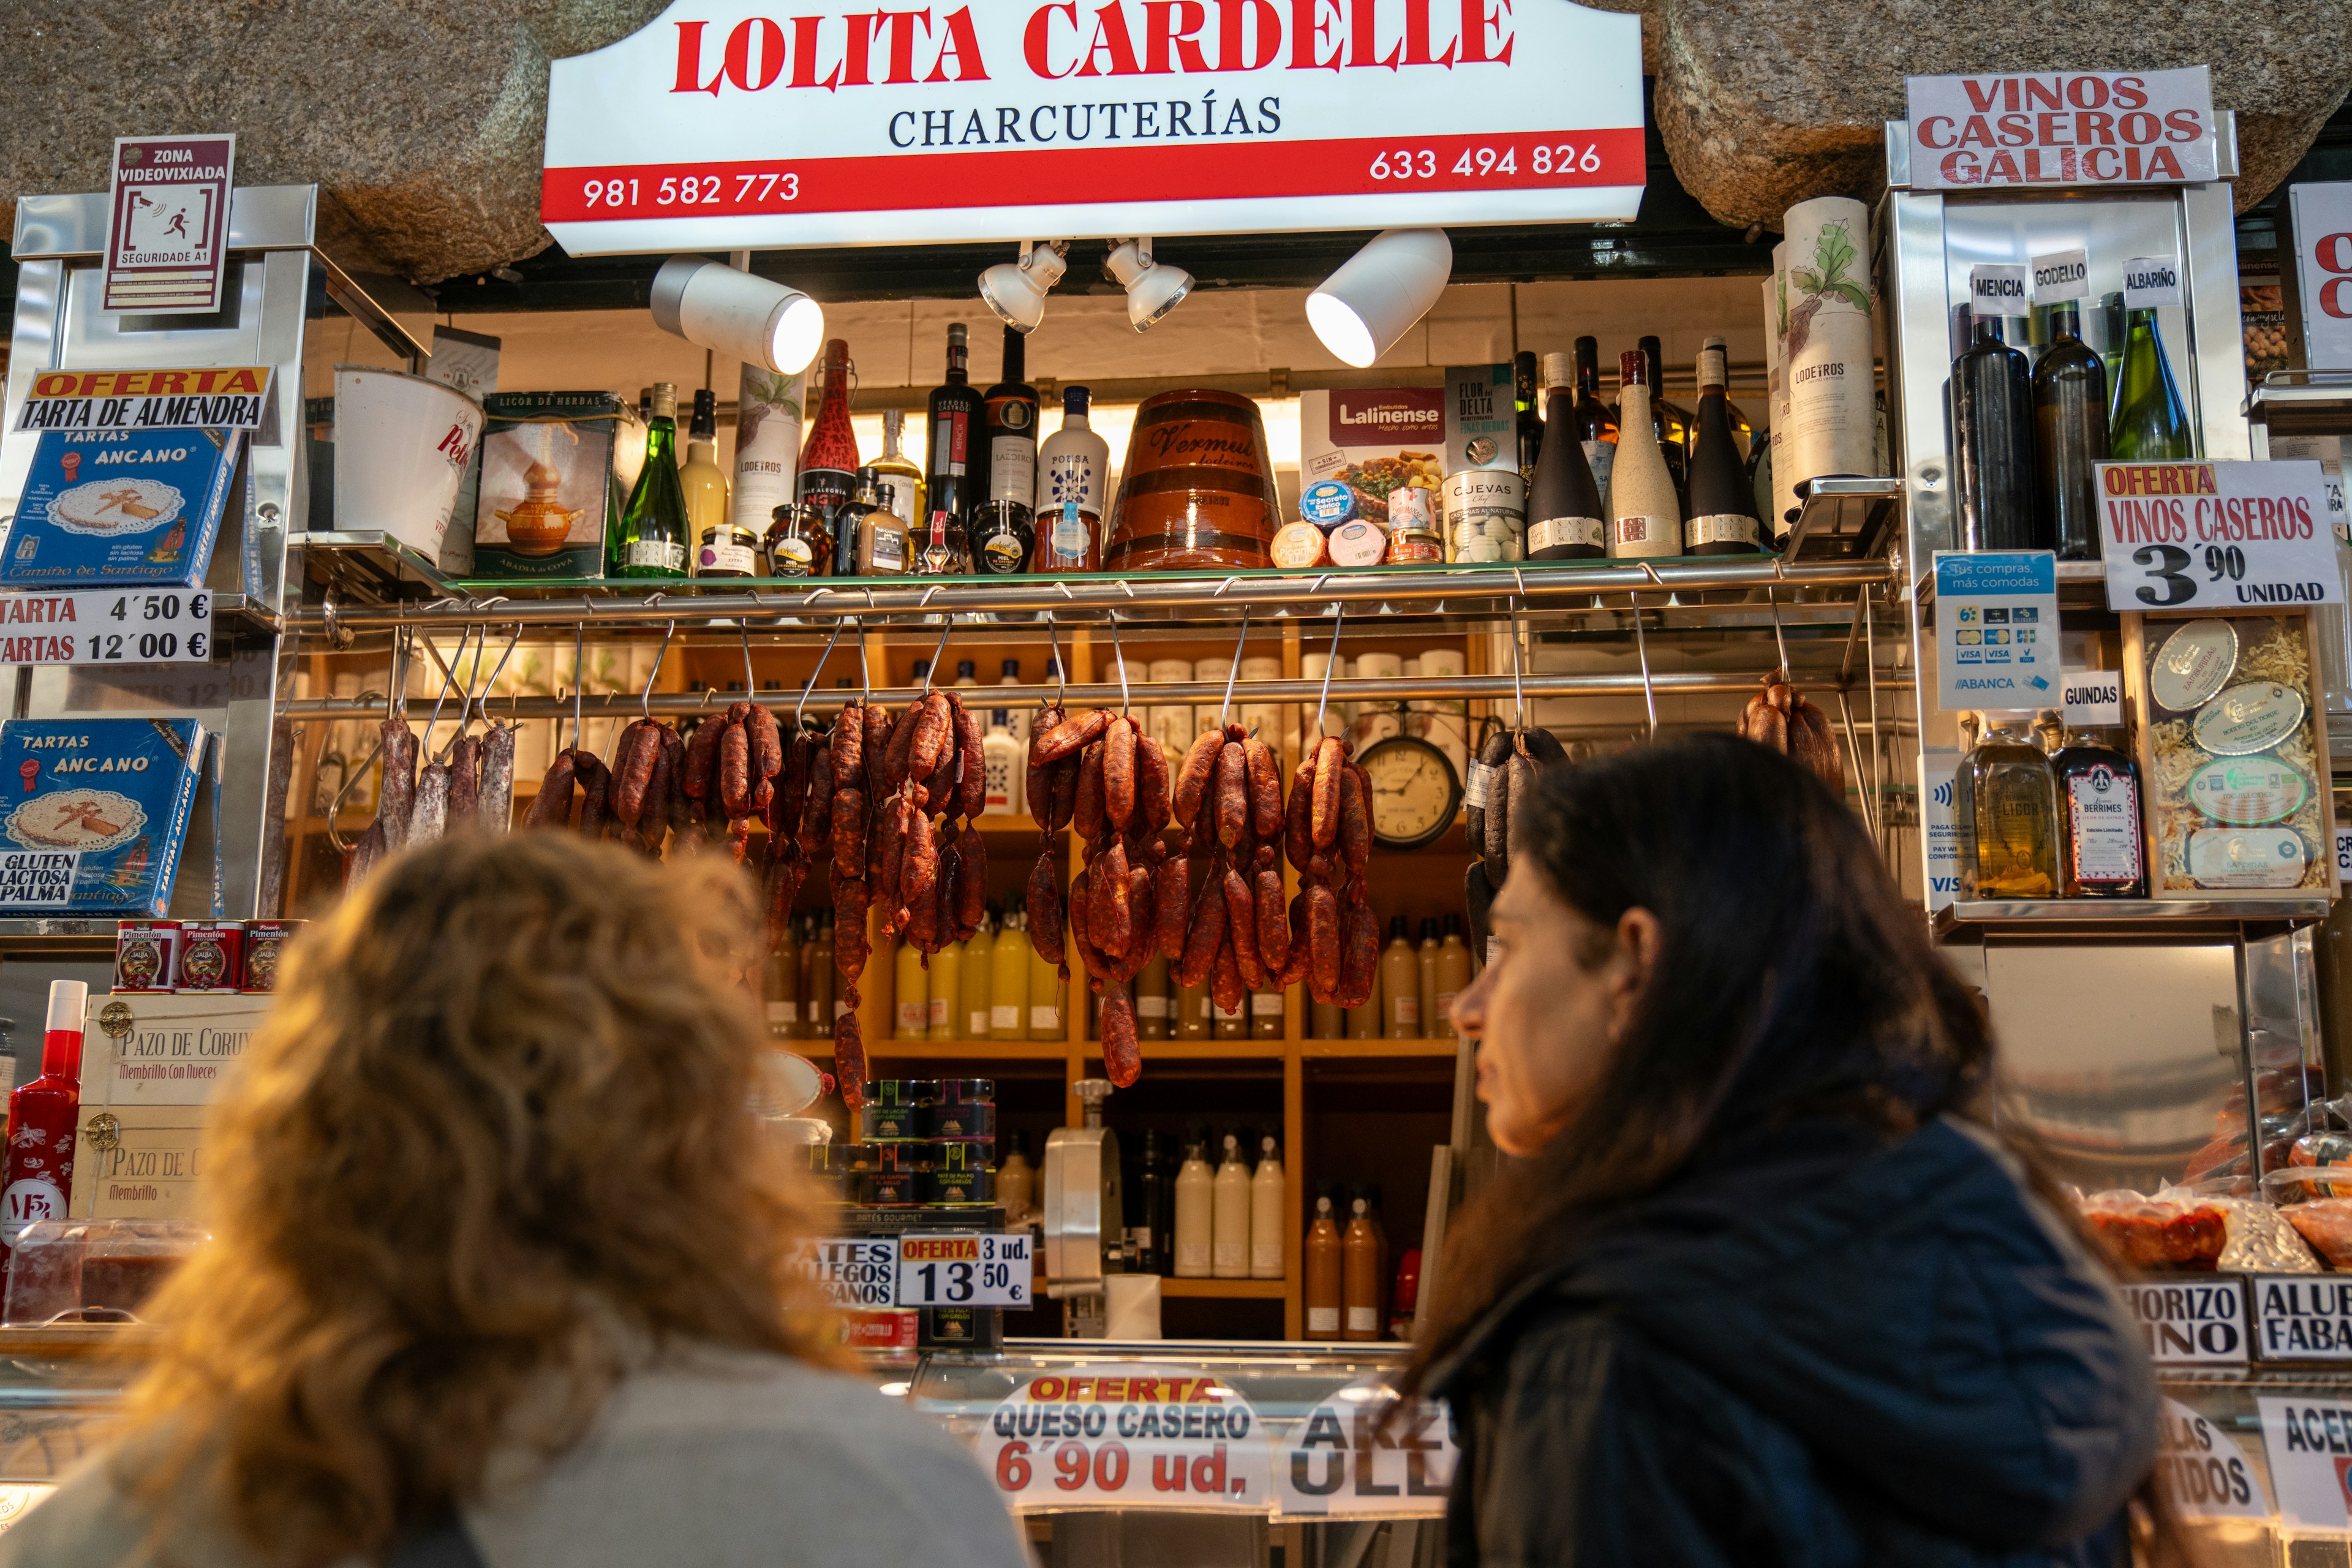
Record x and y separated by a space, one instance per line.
727 550
800 542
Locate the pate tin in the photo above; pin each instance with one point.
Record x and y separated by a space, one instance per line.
2248 791
2249 719
958 1187
264 940
1327 504
1298 546
146 955
212 958
2194 663
1358 543
2246 856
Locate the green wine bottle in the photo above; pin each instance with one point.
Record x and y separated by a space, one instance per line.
653 542
2146 421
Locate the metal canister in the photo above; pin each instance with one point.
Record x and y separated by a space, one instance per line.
958 1188
886 1189
1485 515
146 955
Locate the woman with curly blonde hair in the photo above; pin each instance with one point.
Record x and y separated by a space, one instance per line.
498 1264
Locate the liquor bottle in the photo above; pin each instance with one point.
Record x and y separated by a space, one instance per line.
2145 421
702 479
1759 484
881 533
1151 1242
901 480
1567 519
1323 1254
1002 529
2005 814
2070 429
1644 518
2098 799
1671 421
818 1004
1072 465
653 534
1722 519
1265 1212
1596 424
1993 445
1523 400
828 475
948 489
1229 1251
1017 1182
37 1182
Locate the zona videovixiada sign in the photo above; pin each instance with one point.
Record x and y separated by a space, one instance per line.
728 124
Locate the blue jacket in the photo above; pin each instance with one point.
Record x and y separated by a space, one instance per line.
1812 1348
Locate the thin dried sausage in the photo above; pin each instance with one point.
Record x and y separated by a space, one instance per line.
653 818
1069 735
1323 941
1172 892
875 747
971 797
848 736
465 779
1092 817
780 887
596 793
1066 794
703 756
1225 985
1301 955
1204 939
1273 924
1046 909
891 857
849 1058
735 771
849 900
1355 824
396 795
816 817
1359 958
633 769
919 881
971 882
678 807
933 735
1241 930
1265 789
1140 946
1150 785
897 757
1122 1060
495 810
1298 815
848 834
1118 774
1112 921
767 743
1192 778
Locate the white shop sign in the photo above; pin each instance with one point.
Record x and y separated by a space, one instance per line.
728 124
2205 1471
1996 629
2061 128
963 1269
2204 536
2190 1322
2309 1443
2092 699
2323 263
1343 1461
1128 1435
106 625
2301 1317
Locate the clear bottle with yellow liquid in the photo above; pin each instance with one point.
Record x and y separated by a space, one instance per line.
1008 983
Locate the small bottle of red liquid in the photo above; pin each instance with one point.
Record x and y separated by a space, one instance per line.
38 1177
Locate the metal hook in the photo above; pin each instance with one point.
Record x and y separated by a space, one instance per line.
798 708
646 698
750 682
351 782
578 630
1224 709
947 624
1649 694
1061 670
1119 655
483 705
1518 689
1331 663
1772 597
449 680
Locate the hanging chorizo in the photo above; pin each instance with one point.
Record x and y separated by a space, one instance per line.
849 1056
1192 778
972 787
1171 892
849 833
1230 788
971 882
1264 789
702 755
1068 736
1150 783
1325 818
1241 930
553 807
817 816
1044 908
1111 918
1273 924
849 946
1122 1059
1359 958
1091 817
1206 938
1323 939
1118 774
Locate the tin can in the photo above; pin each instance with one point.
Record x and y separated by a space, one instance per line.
957 1156
948 1121
906 1158
212 958
1485 515
146 955
955 1188
893 1109
263 942
886 1189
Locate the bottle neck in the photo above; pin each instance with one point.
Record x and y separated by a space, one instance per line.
61 1054
661 438
958 362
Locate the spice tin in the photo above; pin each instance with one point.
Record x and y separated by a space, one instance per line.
212 958
2248 719
264 940
944 1120
146 955
2194 663
886 1189
954 1188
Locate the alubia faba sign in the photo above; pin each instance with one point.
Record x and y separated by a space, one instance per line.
2061 128
728 124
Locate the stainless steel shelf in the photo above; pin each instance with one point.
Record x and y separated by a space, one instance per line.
1845 519
2126 916
365 566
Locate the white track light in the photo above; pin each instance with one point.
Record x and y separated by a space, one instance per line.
713 306
1016 290
1153 288
1365 307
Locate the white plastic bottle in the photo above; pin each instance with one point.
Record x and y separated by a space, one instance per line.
1230 1255
1265 1213
1005 764
1073 467
1195 1224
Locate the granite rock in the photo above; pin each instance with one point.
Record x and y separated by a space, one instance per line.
424 121
1762 105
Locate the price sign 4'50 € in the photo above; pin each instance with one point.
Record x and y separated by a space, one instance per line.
107 625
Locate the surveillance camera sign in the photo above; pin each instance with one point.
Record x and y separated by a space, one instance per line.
167 224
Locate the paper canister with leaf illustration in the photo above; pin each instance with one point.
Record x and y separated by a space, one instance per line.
1776 330
1833 389
767 444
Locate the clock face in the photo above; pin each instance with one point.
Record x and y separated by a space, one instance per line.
1414 791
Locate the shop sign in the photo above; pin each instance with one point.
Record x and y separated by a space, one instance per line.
1940 834
727 124
106 625
2301 1317
218 397
1996 629
1352 1459
2323 263
167 224
2093 699
1128 1435
2309 1443
2190 1322
2204 1472
2061 128
963 1269
2208 536
853 1273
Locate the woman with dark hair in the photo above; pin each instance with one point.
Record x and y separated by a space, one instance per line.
1762 1287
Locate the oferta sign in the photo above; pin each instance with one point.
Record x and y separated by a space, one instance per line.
726 125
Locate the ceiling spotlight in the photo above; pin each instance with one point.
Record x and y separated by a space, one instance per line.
1016 290
1365 307
1153 288
716 307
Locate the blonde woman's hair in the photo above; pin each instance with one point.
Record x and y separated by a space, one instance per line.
492 1140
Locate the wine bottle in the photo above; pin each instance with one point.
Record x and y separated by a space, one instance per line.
1723 519
1669 420
1002 529
1595 425
1073 464
828 475
2146 421
1993 445
653 536
2070 427
1644 518
937 538
704 482
1564 509
901 477
1523 402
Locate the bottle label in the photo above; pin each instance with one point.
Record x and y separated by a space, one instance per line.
731 560
2150 281
1638 530
1720 528
1601 457
660 554
1363 1320
914 1017
2103 822
939 1011
901 496
1408 1009
1073 531
887 552
1143 1234
27 1200
1474 794
1230 1256
1148 1007
1012 467
977 1022
783 1013
793 557
1007 1016
1192 1258
1265 1259
2062 275
949 440
1553 532
767 444
1446 1005
1070 480
1322 1320
1265 1003
1001 554
1044 1017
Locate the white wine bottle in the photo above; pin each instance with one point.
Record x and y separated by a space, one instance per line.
1644 518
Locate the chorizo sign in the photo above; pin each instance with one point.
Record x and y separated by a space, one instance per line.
2061 128
728 124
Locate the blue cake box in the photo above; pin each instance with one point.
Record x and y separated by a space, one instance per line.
122 508
95 813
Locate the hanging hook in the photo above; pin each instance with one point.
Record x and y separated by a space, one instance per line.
351 782
1772 596
1641 646
865 660
449 680
1119 656
750 682
1331 663
1519 688
482 705
578 630
1224 709
947 623
1061 670
646 698
802 705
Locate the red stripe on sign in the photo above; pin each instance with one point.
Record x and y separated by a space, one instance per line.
1231 171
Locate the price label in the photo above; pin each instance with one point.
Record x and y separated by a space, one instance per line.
963 1271
2190 1322
2206 1473
1130 1435
2093 699
107 625
2210 536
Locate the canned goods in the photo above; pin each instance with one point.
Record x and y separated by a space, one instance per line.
966 1187
956 1156
212 958
886 1189
263 942
1327 504
946 1121
146 955
1485 514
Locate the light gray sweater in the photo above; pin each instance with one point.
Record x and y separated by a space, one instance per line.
719 1459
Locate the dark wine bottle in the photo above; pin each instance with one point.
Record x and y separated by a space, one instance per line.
1596 422
1523 401
1993 445
1669 420
1003 525
936 539
2070 427
1722 517
1565 517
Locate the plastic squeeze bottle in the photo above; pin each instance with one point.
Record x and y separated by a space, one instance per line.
1323 1294
37 1179
1360 1284
1265 1213
1195 1221
1230 1254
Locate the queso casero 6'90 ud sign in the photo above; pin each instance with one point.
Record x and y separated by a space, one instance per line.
730 124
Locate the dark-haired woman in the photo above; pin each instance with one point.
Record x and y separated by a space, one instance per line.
1762 1287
